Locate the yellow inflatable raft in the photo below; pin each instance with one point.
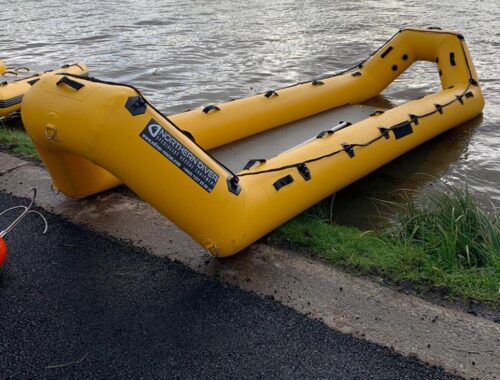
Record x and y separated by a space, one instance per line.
12 92
93 135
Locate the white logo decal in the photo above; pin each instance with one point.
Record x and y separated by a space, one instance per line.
154 129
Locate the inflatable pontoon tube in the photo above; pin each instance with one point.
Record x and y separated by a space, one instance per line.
11 93
93 135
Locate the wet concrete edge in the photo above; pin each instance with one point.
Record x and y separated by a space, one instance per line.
460 343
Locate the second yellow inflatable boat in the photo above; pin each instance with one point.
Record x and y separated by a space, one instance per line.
94 135
12 89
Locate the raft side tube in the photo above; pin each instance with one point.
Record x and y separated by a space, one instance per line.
114 135
296 102
11 93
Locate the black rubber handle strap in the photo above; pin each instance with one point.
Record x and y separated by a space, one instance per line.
70 83
211 107
377 112
317 82
452 59
434 28
10 72
270 93
324 133
304 171
386 52
252 162
286 180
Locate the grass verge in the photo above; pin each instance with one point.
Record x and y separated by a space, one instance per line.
442 241
15 140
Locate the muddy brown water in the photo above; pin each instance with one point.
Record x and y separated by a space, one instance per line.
185 54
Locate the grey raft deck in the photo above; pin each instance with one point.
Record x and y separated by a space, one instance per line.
275 141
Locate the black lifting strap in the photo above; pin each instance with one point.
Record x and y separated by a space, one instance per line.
70 83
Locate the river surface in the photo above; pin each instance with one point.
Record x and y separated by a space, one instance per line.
185 54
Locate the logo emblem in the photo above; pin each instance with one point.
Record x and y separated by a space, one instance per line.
154 129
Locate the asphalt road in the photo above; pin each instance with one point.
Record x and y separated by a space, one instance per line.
76 304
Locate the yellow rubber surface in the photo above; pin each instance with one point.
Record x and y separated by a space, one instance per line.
95 136
11 93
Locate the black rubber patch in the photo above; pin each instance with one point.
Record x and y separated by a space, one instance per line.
356 74
136 105
286 180
172 149
403 129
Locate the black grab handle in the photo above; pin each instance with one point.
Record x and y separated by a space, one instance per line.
377 112
252 162
211 107
71 83
270 93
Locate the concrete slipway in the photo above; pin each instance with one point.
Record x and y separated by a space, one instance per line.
460 343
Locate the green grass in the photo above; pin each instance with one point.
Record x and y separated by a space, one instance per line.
443 241
15 140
